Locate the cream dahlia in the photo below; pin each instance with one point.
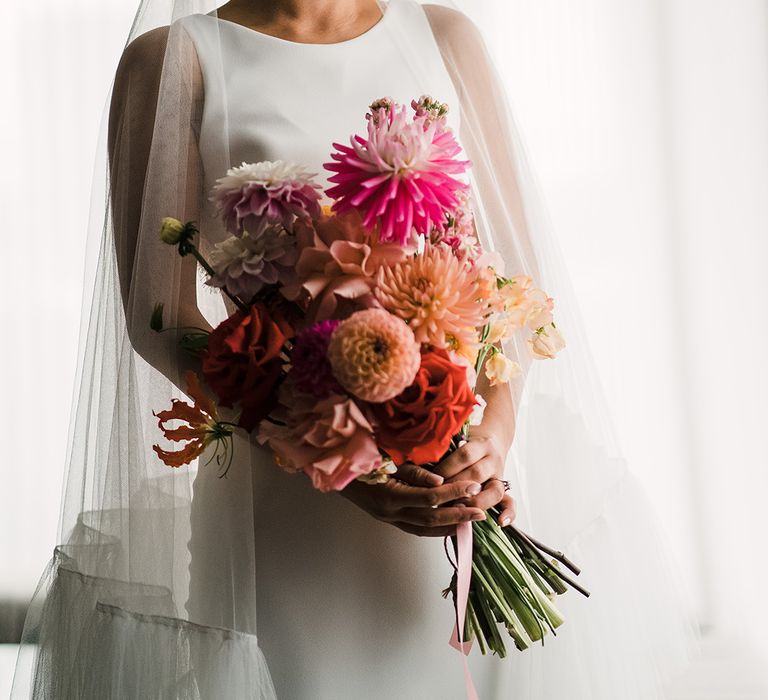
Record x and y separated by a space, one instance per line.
243 265
374 355
436 295
253 196
401 177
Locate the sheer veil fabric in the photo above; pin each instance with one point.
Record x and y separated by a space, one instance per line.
154 588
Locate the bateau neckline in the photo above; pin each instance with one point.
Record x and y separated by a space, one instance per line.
368 33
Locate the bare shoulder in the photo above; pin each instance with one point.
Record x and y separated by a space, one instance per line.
143 59
146 52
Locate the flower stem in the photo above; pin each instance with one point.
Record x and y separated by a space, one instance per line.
192 248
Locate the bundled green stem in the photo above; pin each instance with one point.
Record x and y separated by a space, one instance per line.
513 587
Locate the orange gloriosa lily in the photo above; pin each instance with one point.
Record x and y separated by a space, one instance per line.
202 426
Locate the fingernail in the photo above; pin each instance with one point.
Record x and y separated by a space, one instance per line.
505 521
474 489
436 479
478 516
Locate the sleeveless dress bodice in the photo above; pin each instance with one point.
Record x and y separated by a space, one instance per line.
348 607
271 99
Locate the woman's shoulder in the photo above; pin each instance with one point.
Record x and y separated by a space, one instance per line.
145 55
146 51
451 25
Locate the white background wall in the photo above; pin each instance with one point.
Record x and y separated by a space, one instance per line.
647 121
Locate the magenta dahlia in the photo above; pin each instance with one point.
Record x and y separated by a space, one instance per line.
311 370
402 177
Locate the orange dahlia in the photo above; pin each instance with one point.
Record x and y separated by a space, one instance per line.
374 355
436 295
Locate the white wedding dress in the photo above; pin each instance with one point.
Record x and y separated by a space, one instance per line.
348 607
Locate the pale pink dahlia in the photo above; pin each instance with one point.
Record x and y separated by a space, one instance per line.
254 196
244 265
374 355
311 370
401 177
436 294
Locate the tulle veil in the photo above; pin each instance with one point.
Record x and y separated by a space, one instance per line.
112 616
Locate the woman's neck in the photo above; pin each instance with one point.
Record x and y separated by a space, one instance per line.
310 21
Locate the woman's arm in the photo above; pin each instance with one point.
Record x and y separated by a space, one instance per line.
490 144
134 129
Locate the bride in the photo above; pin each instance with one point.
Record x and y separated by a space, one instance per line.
182 584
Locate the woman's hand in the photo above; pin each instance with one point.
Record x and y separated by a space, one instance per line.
481 459
424 506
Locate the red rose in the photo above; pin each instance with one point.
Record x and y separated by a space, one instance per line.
418 424
242 363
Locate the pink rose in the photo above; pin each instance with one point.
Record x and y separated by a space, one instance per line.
331 440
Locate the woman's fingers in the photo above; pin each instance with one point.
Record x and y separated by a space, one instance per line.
439 517
491 495
507 508
462 458
418 476
488 467
402 495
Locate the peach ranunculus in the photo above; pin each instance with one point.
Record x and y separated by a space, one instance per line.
499 369
337 265
330 440
546 342
525 305
374 355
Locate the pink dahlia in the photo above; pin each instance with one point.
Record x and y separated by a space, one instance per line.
330 440
436 294
401 177
256 195
374 355
310 368
337 265
244 265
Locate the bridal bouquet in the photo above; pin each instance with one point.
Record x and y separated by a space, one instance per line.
359 332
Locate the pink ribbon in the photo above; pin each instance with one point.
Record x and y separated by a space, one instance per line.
463 578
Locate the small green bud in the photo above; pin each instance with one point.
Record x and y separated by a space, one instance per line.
171 230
